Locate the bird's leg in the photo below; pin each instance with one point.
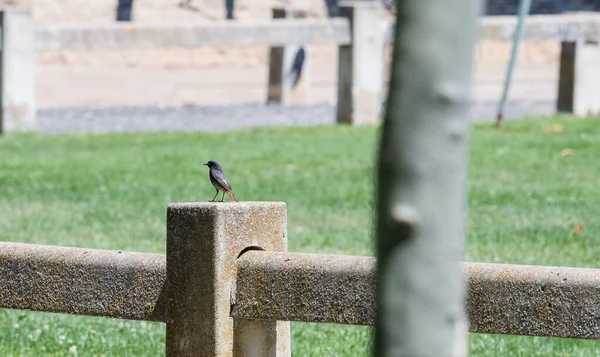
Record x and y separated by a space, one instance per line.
223 197
213 200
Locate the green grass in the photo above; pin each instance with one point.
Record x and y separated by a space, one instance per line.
111 191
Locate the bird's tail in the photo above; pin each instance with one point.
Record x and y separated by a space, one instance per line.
232 196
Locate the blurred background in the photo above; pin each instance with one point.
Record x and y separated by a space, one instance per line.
237 76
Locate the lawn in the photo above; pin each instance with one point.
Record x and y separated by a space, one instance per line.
530 185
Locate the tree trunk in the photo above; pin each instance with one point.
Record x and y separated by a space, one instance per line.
421 187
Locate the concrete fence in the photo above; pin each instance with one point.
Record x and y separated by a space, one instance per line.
361 33
227 285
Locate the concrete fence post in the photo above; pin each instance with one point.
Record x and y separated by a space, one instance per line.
579 78
284 88
203 242
360 64
17 70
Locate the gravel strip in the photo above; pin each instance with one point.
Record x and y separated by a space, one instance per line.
225 118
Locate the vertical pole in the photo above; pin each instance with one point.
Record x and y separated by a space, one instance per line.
289 68
360 64
17 70
333 8
421 186
579 76
124 9
566 77
203 242
229 6
524 8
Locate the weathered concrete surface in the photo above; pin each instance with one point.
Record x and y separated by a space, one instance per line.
82 281
501 298
305 287
533 300
220 33
203 242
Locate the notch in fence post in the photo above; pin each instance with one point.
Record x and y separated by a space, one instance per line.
360 64
203 243
579 78
289 68
17 70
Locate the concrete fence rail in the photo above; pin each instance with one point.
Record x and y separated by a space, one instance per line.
360 33
501 298
82 281
276 32
228 284
565 27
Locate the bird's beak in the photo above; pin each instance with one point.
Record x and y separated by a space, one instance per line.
205 164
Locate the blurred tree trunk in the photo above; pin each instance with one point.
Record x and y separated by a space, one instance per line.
421 186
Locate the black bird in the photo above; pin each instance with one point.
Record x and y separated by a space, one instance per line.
219 181
296 70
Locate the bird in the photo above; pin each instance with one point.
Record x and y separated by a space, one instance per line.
219 180
296 70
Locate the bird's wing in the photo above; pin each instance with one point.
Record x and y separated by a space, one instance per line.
221 179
